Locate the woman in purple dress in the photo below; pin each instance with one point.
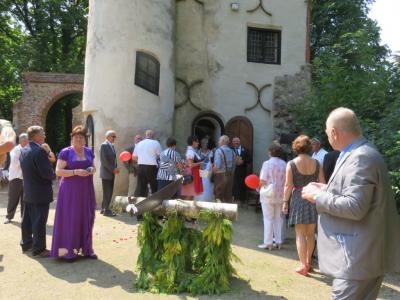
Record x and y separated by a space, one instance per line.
76 203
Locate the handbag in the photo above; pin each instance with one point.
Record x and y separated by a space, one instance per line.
187 179
267 191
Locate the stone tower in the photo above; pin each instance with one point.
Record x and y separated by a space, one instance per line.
121 34
203 67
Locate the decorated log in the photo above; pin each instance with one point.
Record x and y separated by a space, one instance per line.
190 209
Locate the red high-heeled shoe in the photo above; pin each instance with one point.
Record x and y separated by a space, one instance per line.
309 268
302 270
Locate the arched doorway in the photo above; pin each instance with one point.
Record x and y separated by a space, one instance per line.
40 92
243 128
208 125
61 118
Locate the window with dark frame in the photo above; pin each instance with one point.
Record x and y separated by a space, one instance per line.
263 45
147 73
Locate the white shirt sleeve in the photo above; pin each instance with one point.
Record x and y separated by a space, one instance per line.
158 149
135 151
190 153
264 171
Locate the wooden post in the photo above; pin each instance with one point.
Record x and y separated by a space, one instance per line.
187 208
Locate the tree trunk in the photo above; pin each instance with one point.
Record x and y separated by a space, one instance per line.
190 209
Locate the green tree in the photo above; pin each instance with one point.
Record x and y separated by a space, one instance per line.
12 60
351 68
55 31
42 36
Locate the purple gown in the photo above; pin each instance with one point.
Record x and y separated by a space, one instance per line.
75 210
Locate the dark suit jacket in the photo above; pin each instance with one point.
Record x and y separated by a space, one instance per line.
329 163
108 161
241 171
38 175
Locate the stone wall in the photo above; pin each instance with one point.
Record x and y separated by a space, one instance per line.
77 116
40 92
289 90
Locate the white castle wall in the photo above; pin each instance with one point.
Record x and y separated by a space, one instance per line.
116 30
192 41
220 37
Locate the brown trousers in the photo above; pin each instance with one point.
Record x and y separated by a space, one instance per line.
223 183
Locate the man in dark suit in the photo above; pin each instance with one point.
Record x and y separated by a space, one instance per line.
329 163
38 174
243 159
108 169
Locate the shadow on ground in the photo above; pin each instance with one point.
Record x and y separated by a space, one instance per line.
1 259
95 272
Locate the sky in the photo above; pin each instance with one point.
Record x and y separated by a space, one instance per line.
386 13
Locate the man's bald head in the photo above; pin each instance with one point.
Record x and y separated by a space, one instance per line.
345 121
149 134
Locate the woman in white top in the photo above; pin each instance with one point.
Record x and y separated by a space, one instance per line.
272 172
193 163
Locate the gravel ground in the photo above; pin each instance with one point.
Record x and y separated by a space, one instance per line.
262 274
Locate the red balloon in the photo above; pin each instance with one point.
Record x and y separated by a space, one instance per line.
125 156
252 181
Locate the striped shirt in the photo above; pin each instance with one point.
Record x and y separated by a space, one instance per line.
169 158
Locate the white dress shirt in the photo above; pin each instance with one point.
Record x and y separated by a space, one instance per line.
147 152
14 171
320 155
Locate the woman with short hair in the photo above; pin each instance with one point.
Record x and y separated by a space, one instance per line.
170 165
76 203
303 214
272 174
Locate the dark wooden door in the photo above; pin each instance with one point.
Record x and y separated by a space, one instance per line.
241 127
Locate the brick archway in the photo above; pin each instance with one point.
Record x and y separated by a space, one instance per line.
40 92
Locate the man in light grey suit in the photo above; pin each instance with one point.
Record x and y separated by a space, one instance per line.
358 227
108 169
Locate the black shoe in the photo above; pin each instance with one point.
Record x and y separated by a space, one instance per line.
26 249
43 254
109 214
102 211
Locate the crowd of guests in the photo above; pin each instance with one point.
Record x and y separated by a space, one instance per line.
210 174
31 174
348 192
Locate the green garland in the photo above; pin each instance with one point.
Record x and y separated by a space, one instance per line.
177 259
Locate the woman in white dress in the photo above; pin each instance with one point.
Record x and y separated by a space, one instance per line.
208 187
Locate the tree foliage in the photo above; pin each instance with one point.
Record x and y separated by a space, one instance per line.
352 69
176 259
41 36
